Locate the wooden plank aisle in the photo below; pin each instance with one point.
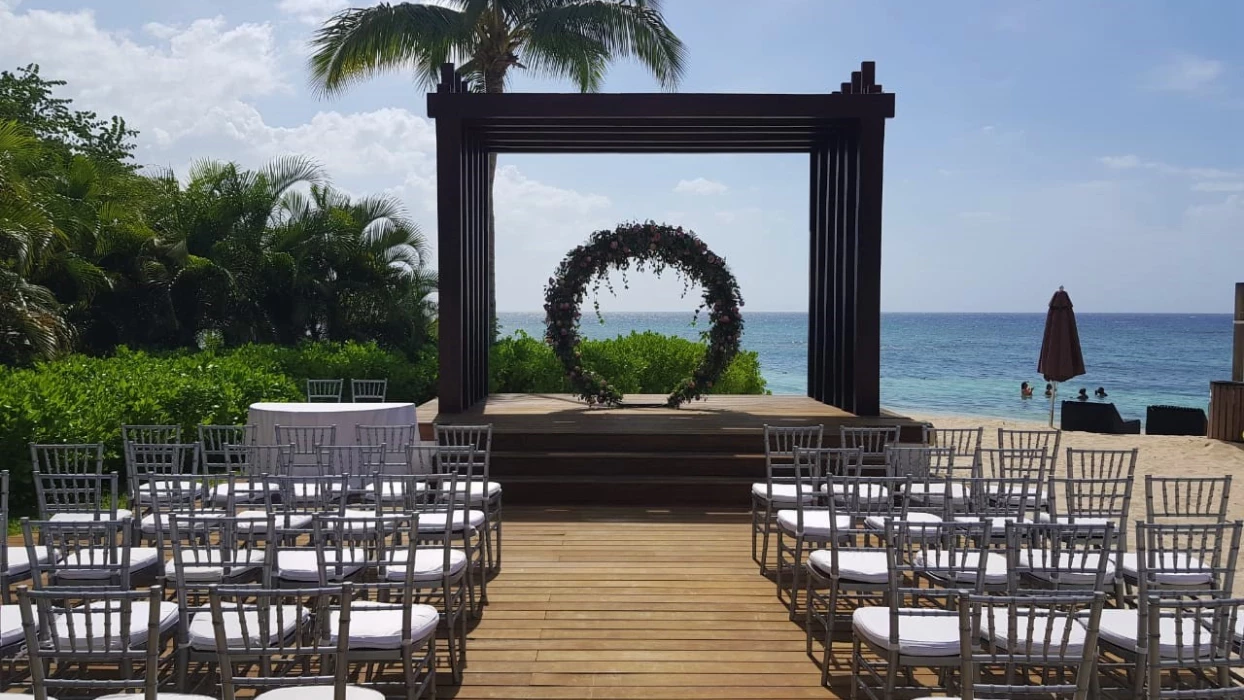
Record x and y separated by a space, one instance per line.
630 603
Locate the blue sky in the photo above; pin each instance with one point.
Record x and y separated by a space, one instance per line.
1093 145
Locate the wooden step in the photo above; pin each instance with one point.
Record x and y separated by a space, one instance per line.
650 491
558 464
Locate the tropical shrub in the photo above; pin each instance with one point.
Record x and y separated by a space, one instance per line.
639 363
87 399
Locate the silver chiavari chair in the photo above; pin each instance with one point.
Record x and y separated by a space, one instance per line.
94 553
370 390
1045 440
964 441
1101 464
307 441
14 567
872 440
324 390
475 486
216 441
1193 649
1187 498
150 434
778 489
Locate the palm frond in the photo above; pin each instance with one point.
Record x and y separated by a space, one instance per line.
360 43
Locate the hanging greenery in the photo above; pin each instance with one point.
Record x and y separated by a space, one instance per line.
653 247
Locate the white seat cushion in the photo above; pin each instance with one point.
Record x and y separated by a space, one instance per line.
281 625
995 565
74 625
429 564
1119 627
19 559
815 522
478 491
382 629
303 565
10 625
87 516
435 522
877 522
1073 567
862 565
140 558
997 524
392 490
320 692
243 492
1041 624
1176 569
159 696
299 521
151 521
918 634
205 566
867 492
935 492
782 493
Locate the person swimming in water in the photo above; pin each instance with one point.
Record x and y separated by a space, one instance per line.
1083 395
1101 392
1025 391
1049 390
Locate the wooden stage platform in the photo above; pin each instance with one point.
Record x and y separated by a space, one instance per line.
551 449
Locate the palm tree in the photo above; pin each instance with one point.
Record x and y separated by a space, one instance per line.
572 39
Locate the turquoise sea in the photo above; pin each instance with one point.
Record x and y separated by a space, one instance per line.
973 363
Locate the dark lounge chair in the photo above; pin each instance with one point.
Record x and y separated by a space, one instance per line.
1174 420
1092 417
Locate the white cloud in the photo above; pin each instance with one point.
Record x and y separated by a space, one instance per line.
1131 162
312 11
1187 73
700 186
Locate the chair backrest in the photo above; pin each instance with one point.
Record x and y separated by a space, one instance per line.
368 389
478 437
1101 464
85 495
67 631
872 439
1185 498
949 558
209 549
306 439
251 622
1043 556
781 441
90 553
216 438
1015 499
964 441
1194 639
201 495
875 497
1093 501
326 390
1045 440
397 437
67 459
256 460
813 467
354 460
1186 556
151 434
310 495
1013 462
145 460
1056 633
918 461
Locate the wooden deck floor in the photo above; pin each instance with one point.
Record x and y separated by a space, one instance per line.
628 603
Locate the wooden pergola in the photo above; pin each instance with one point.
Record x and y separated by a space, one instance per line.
843 132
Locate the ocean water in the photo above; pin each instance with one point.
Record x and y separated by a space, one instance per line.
973 363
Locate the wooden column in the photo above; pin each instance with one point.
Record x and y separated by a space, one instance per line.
1237 347
867 356
450 250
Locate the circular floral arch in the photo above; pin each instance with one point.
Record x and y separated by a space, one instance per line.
646 246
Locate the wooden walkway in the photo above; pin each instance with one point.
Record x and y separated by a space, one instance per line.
629 603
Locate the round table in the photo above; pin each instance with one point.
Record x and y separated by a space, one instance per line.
266 416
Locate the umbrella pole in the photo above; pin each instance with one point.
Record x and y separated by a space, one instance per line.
1053 397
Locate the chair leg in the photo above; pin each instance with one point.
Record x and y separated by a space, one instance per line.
795 569
767 526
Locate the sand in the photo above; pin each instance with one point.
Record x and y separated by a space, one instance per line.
1159 455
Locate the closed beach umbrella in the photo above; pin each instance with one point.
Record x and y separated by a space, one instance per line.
1061 358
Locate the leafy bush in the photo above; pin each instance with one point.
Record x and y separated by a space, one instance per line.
86 399
639 363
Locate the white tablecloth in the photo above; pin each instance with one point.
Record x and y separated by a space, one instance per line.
266 416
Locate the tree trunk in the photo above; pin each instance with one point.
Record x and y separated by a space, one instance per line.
493 83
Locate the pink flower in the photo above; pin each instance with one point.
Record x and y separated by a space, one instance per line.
613 244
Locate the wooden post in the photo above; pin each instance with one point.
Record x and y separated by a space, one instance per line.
1237 349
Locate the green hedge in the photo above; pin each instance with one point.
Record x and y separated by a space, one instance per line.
639 363
86 399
